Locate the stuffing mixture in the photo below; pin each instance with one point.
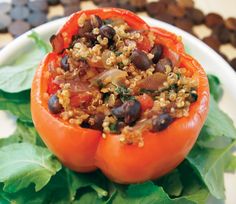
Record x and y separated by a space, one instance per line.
118 80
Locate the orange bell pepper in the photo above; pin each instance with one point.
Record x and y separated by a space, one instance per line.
85 150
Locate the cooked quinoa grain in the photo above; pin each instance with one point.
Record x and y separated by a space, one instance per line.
104 81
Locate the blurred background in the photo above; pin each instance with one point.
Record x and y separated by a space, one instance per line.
212 21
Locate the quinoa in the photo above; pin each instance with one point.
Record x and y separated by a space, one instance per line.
104 73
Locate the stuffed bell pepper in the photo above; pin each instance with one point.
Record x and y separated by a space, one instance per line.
118 95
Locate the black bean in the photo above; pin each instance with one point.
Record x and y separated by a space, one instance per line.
161 122
53 104
157 51
107 31
92 39
140 60
132 111
128 111
193 96
161 65
118 112
98 120
96 21
64 63
87 28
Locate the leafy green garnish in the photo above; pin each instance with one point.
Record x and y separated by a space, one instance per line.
25 132
113 127
222 123
18 76
29 173
23 164
231 166
120 65
17 103
124 93
215 87
211 168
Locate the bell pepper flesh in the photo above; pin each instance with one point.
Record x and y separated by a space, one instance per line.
85 150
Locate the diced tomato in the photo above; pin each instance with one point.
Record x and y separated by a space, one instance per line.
52 87
144 44
146 102
80 99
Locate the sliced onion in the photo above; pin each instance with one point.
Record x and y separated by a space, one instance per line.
153 82
115 76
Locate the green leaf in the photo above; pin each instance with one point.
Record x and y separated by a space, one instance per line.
231 165
23 164
218 124
41 44
17 103
135 195
209 165
25 132
62 188
215 87
90 197
25 196
18 76
172 184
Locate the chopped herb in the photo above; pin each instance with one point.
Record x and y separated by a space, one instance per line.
100 84
106 96
113 128
124 93
178 75
120 65
112 46
174 87
118 53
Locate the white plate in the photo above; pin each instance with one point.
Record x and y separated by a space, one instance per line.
210 60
